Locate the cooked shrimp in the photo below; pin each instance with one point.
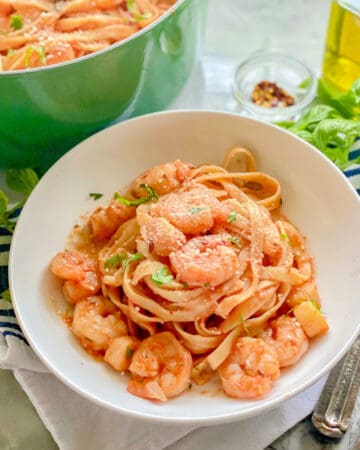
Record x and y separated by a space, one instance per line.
96 322
161 368
163 178
205 260
105 221
288 339
120 352
80 273
190 211
250 369
163 237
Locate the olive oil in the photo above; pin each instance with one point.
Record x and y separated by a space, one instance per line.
341 65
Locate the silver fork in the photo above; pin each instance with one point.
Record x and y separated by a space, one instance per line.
332 413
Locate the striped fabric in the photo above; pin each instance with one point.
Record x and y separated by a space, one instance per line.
8 325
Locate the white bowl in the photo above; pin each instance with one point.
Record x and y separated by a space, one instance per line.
316 196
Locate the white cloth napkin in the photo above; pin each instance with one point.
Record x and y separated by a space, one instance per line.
75 423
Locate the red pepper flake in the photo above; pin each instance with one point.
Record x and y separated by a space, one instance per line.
269 95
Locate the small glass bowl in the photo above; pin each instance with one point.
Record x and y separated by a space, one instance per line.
287 72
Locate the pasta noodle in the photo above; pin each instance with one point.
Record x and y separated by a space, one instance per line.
35 33
193 266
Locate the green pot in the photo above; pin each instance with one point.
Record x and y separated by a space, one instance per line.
46 111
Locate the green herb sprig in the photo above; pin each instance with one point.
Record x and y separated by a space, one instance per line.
161 276
95 195
243 324
5 295
232 217
124 201
39 49
196 209
121 260
16 22
19 180
130 5
332 122
129 352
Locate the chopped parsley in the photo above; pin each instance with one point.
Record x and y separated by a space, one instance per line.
122 259
233 240
39 49
95 195
232 217
206 285
161 276
284 236
185 284
243 323
315 305
112 262
130 5
196 209
5 295
16 22
129 352
124 201
10 52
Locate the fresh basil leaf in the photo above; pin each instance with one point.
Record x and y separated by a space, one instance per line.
336 133
330 95
285 124
4 201
334 137
5 295
315 115
355 92
305 83
303 134
21 180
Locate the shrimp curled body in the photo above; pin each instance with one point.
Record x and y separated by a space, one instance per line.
79 272
288 339
96 322
205 260
163 179
250 368
161 368
191 211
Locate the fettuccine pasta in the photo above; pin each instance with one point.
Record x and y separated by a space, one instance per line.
36 33
193 273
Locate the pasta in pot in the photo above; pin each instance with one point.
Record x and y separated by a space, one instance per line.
37 33
192 272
